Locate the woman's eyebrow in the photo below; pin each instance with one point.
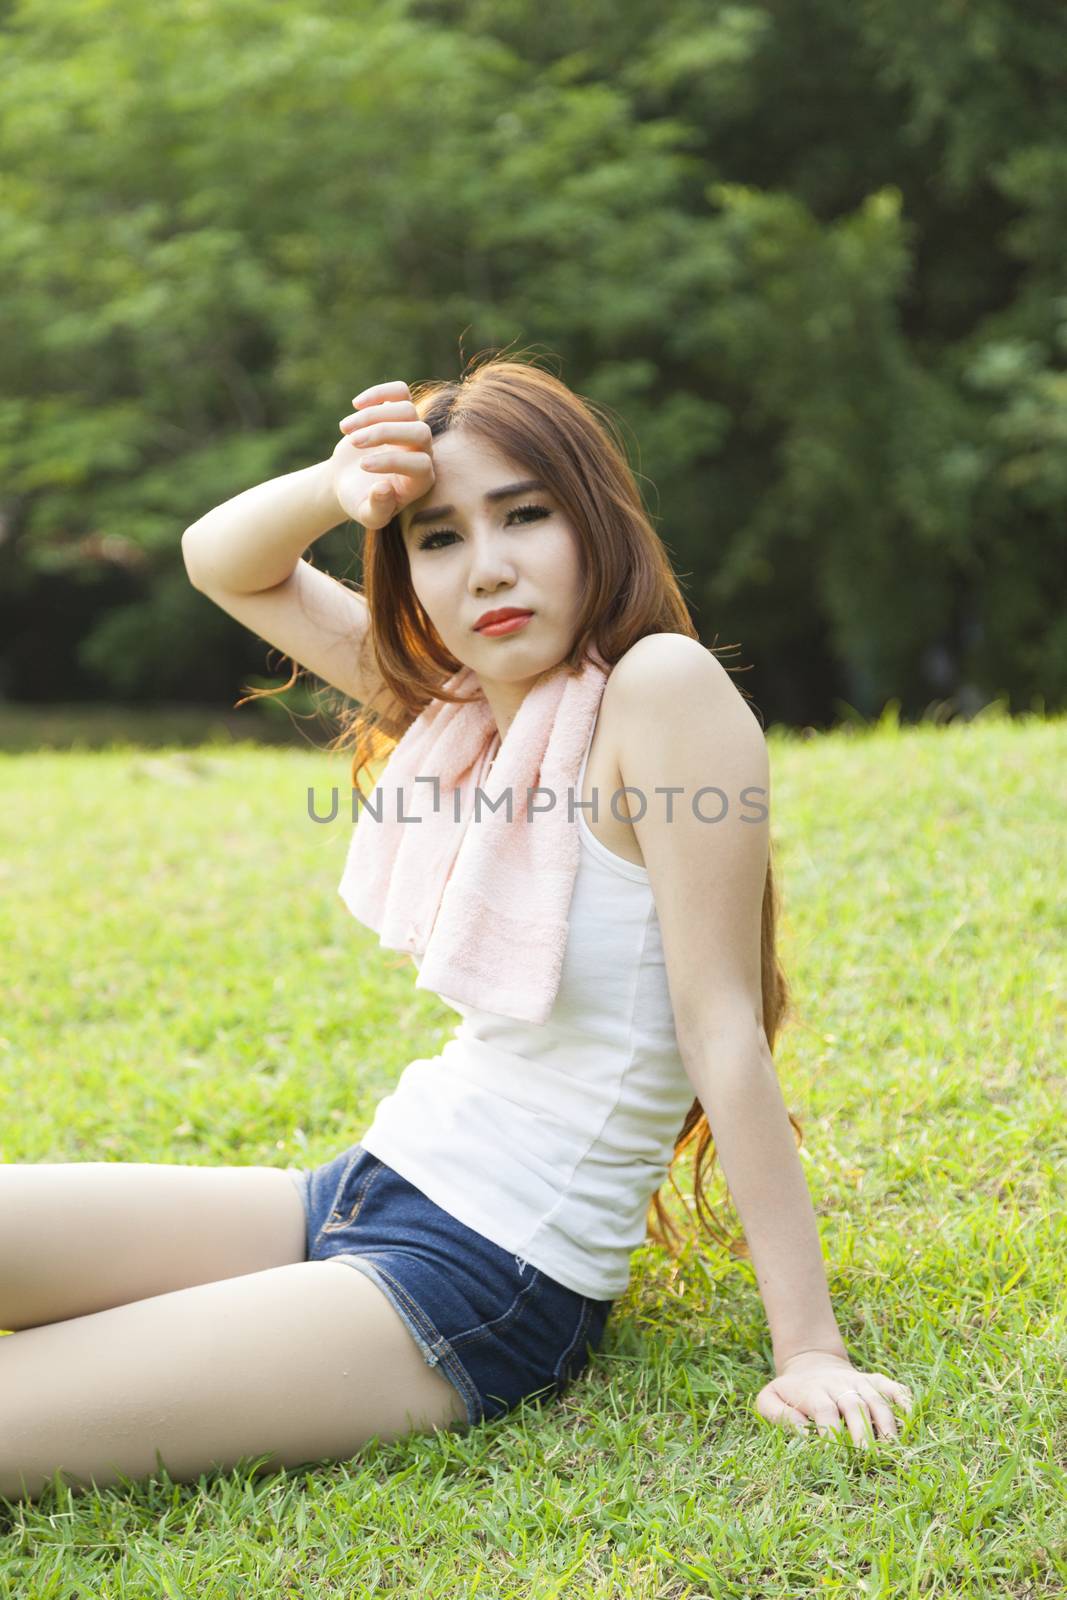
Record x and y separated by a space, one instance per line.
431 513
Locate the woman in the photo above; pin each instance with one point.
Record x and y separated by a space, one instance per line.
462 1257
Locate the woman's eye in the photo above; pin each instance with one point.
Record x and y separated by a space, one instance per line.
527 513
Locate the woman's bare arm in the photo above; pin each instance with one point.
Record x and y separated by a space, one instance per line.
247 556
255 540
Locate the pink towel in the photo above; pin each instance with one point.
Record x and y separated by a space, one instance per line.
482 900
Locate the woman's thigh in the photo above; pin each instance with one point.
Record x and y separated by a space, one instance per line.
299 1363
82 1236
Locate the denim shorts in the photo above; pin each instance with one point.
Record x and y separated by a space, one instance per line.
500 1329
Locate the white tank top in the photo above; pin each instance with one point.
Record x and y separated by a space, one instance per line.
550 1139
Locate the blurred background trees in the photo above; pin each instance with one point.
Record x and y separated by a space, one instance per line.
813 255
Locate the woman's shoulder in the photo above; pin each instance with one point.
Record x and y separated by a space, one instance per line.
672 676
653 648
676 660
668 698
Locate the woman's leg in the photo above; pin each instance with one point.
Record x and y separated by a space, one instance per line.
82 1236
306 1361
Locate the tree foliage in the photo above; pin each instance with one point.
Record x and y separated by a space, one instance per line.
811 254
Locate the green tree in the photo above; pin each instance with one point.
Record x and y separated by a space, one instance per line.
812 255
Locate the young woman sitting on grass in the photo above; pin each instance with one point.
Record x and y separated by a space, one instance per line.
604 927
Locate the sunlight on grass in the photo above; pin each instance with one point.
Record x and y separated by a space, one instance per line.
183 983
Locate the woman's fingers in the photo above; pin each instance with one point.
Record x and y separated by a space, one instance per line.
826 1414
773 1408
862 1406
792 1418
859 1410
391 415
396 389
881 1415
898 1393
410 462
853 1407
409 433
388 436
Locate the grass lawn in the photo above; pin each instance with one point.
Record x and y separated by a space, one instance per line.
182 983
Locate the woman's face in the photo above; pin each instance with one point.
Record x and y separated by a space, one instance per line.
483 555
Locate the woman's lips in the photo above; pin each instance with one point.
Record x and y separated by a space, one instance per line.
511 625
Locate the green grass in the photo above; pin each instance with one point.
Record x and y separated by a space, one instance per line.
184 984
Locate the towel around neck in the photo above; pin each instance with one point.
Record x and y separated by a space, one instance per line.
481 898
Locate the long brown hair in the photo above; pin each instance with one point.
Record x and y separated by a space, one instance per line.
536 422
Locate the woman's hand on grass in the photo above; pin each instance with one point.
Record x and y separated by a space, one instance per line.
827 1389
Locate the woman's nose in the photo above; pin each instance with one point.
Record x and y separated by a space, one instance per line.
489 568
